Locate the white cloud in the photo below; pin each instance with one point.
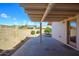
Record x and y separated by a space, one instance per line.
3 15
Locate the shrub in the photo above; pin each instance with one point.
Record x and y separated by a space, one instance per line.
37 32
47 30
32 32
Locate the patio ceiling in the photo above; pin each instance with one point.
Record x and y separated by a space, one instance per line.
51 12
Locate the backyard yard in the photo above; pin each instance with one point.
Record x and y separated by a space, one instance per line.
10 37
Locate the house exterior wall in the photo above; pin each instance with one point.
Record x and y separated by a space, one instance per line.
59 31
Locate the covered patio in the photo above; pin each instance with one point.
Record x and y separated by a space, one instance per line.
52 12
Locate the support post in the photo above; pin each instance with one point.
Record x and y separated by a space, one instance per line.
40 32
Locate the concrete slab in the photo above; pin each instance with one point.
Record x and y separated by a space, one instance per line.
48 47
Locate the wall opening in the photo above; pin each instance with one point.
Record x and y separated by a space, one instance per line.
71 32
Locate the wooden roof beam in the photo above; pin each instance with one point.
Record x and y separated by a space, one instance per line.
53 15
35 12
50 5
64 12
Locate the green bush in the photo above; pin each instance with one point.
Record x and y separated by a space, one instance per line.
48 30
37 32
32 32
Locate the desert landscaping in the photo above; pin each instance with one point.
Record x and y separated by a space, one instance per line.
10 37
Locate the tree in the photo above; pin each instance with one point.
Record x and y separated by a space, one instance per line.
48 30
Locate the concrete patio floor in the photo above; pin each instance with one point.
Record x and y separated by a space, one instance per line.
48 47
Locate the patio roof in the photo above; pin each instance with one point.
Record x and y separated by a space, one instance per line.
51 12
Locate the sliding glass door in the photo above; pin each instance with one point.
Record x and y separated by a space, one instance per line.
71 32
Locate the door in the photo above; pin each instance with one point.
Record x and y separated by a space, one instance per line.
71 32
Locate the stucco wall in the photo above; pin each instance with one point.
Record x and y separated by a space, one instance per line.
59 31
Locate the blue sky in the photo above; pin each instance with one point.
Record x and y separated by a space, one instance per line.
73 24
11 14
